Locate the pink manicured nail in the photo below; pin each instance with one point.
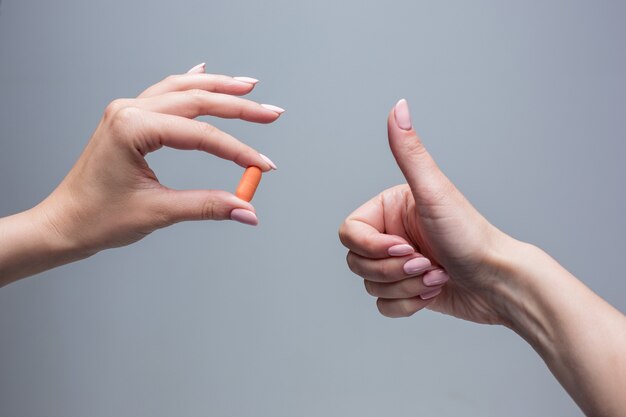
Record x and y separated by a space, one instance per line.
269 161
435 277
248 80
400 250
416 265
244 216
274 108
198 69
403 117
430 294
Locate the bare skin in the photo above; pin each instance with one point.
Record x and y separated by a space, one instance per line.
423 245
112 198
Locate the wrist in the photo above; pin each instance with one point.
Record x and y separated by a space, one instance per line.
527 291
58 223
511 284
29 244
59 232
578 334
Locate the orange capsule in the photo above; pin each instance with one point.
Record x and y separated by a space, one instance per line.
249 182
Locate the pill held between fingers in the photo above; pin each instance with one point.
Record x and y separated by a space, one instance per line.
249 183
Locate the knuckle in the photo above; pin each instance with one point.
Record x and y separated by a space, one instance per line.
113 107
242 111
384 269
127 113
242 154
207 129
171 79
439 194
404 308
125 120
414 148
196 94
369 288
407 287
209 210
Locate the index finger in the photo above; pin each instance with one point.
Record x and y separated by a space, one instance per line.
148 131
363 233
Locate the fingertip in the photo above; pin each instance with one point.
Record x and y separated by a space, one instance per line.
399 124
251 157
260 114
402 115
407 148
398 308
275 109
430 294
231 86
401 249
404 307
198 69
240 88
244 216
268 161
224 203
435 277
237 202
247 80
367 241
260 163
216 83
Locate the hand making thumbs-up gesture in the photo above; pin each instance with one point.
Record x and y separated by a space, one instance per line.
422 243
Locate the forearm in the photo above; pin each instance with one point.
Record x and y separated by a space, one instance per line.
29 244
581 337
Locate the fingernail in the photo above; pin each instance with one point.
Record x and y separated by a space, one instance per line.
435 277
244 216
248 80
416 265
273 108
269 161
400 250
403 117
430 294
198 69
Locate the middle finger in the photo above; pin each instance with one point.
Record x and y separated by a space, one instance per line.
389 269
194 103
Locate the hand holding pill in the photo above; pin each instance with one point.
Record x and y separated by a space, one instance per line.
112 198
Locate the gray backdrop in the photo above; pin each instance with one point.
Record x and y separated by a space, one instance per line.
522 104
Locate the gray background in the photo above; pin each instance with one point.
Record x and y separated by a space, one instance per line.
522 104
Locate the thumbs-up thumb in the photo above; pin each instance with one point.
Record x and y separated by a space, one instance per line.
426 180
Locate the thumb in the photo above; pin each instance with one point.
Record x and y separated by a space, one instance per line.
177 206
426 180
